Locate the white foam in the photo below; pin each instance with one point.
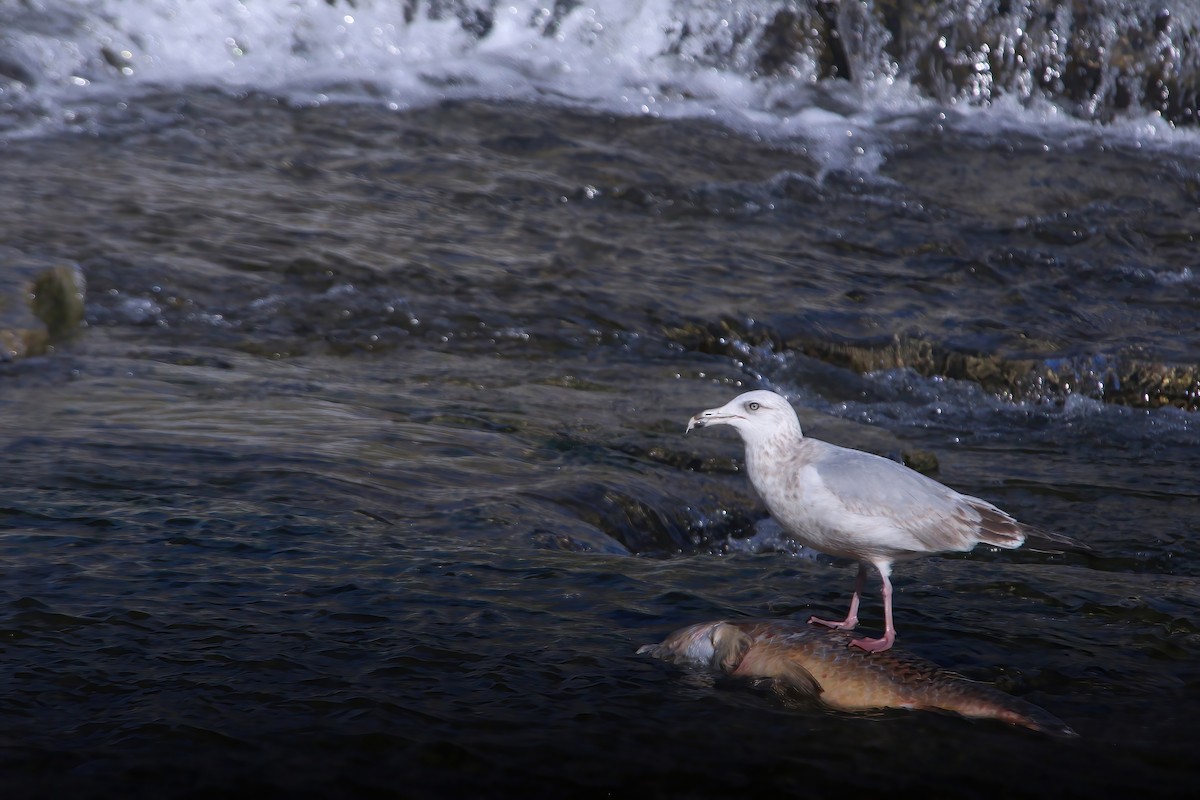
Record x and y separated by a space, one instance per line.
1163 277
769 537
654 57
937 403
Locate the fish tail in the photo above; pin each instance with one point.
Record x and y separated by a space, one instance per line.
973 699
1036 718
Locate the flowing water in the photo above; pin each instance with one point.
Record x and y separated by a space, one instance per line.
366 475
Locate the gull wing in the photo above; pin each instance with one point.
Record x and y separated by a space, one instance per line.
938 517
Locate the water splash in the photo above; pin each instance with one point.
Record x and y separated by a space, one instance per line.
826 74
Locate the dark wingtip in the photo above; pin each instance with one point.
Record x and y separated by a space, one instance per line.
1054 542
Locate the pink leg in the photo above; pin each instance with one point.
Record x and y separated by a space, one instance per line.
851 619
889 631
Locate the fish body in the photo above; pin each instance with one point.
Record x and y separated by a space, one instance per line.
817 663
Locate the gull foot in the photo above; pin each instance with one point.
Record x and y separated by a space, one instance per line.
874 645
846 624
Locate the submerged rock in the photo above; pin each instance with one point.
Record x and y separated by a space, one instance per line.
1123 380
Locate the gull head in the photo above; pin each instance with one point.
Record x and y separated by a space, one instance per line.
757 416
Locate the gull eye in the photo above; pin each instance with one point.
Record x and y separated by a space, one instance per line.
753 406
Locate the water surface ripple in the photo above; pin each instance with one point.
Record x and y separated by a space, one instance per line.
367 475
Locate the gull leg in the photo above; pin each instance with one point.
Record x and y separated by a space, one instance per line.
889 632
851 619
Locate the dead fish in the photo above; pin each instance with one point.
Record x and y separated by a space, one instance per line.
798 658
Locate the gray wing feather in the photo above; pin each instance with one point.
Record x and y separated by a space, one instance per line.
936 515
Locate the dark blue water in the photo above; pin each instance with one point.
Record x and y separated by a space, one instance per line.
367 476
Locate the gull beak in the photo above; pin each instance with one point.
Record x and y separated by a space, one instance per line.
713 416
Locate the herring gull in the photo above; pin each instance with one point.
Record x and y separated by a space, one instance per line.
853 504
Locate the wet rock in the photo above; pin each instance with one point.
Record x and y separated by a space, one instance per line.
920 460
1095 59
56 299
576 540
651 522
813 32
1123 380
681 459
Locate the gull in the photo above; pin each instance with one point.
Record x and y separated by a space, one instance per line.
852 504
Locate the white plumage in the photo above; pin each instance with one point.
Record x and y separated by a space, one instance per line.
853 504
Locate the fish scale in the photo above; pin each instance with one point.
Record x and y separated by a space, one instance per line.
818 663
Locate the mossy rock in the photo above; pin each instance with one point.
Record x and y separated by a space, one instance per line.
56 298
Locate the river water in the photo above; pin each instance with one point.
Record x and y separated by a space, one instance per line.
366 476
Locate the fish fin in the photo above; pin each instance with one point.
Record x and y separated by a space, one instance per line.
778 663
797 680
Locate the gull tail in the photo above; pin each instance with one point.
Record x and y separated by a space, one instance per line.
997 528
1000 530
1043 541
